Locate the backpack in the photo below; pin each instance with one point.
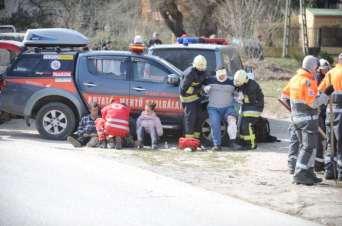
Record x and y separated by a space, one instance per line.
263 131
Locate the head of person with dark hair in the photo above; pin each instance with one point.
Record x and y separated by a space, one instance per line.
150 106
94 109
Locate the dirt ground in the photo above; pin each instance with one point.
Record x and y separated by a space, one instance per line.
258 176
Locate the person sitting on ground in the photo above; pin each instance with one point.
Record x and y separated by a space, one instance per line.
86 131
148 122
113 126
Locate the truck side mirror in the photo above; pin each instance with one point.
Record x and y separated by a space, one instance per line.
173 79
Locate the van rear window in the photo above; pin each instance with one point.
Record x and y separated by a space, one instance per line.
182 58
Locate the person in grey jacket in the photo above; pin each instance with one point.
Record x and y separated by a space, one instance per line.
220 90
148 122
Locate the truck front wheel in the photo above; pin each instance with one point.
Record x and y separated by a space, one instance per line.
55 121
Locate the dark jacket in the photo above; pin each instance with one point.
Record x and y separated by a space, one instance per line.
253 96
191 85
154 42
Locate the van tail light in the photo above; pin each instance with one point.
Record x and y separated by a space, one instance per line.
2 83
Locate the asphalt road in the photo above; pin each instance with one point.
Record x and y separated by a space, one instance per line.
49 183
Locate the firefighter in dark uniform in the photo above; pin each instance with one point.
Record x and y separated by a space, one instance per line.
251 108
324 67
305 101
333 82
190 93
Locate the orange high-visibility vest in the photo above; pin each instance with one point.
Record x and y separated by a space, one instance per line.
302 91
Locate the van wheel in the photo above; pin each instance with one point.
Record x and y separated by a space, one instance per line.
55 121
206 138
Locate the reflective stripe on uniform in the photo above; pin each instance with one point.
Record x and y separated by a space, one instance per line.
197 134
251 137
117 126
302 166
335 110
190 90
189 99
304 118
339 163
319 159
251 114
117 120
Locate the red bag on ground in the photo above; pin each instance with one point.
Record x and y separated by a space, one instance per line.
116 118
187 142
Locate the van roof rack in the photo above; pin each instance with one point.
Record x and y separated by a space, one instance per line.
54 37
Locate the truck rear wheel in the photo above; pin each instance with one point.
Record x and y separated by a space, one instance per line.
55 121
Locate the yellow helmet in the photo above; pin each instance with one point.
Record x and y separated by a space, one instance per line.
200 63
240 78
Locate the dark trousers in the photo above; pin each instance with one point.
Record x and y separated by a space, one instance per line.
337 130
307 135
192 119
293 147
247 132
319 160
141 131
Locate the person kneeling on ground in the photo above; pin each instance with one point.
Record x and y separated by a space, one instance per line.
252 106
220 90
86 131
148 122
113 126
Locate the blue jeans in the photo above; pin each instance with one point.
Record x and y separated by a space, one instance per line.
141 134
216 116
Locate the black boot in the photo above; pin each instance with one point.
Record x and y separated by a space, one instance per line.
303 177
235 146
74 141
314 176
110 143
329 173
216 148
118 143
103 144
140 144
319 166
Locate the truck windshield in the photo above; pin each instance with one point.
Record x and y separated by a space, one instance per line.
182 58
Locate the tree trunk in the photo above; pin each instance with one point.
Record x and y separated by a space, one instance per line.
172 16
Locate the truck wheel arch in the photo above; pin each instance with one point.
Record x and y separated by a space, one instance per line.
44 96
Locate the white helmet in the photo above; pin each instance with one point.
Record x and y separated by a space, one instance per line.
240 78
138 40
200 63
324 64
310 63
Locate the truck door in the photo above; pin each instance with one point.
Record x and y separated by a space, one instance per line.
102 79
149 83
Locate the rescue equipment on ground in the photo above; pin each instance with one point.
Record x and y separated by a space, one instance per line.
54 37
189 142
195 40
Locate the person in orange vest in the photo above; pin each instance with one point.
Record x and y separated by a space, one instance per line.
332 83
304 100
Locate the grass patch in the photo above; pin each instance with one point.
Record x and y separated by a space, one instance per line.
272 88
289 64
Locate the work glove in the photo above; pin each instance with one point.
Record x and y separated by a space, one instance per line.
322 99
240 97
207 88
